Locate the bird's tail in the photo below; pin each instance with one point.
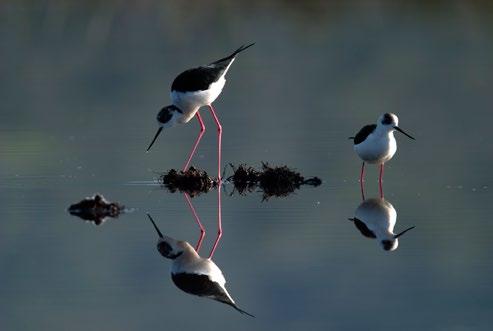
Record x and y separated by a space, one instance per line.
241 310
241 49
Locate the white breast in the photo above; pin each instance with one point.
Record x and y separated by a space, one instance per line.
190 102
377 148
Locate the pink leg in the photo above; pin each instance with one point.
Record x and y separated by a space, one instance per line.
219 222
380 181
362 180
219 135
202 230
194 148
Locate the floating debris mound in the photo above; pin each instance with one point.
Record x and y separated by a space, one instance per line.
193 181
272 181
245 178
96 209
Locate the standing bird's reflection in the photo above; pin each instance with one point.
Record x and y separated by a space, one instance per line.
375 218
192 273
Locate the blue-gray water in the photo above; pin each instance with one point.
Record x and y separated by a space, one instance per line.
80 86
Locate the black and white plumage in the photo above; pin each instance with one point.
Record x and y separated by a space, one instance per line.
195 88
375 143
193 274
376 218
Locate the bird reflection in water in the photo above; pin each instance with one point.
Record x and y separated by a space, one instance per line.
375 218
201 227
192 273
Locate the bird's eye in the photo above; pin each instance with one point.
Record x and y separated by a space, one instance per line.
387 119
164 248
387 245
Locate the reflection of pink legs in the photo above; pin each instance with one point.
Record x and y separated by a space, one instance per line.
202 230
361 181
219 221
380 181
194 148
187 197
219 135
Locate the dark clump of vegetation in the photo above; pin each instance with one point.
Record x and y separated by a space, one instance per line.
245 178
96 209
279 181
193 181
272 181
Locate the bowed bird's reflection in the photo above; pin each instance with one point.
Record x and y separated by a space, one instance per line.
192 273
375 218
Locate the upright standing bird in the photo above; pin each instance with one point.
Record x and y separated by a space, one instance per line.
376 218
192 89
375 143
192 273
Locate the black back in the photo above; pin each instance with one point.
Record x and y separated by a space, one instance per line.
200 285
363 133
197 79
200 78
363 228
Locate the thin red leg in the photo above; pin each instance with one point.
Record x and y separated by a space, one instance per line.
202 230
219 222
219 135
380 181
194 148
362 180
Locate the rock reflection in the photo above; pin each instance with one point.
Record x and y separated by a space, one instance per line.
96 209
375 218
193 274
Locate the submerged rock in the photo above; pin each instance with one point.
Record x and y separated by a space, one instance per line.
96 209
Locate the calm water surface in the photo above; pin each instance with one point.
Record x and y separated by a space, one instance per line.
80 89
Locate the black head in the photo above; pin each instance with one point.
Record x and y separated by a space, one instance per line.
387 119
390 122
166 114
167 117
167 251
167 247
390 245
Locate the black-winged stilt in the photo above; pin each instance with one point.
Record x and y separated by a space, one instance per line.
375 218
375 143
192 273
192 89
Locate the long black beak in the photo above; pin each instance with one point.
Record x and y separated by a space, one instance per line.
400 234
155 137
155 226
402 131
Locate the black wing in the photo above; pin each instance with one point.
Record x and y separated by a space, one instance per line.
363 133
196 79
363 228
200 285
200 78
